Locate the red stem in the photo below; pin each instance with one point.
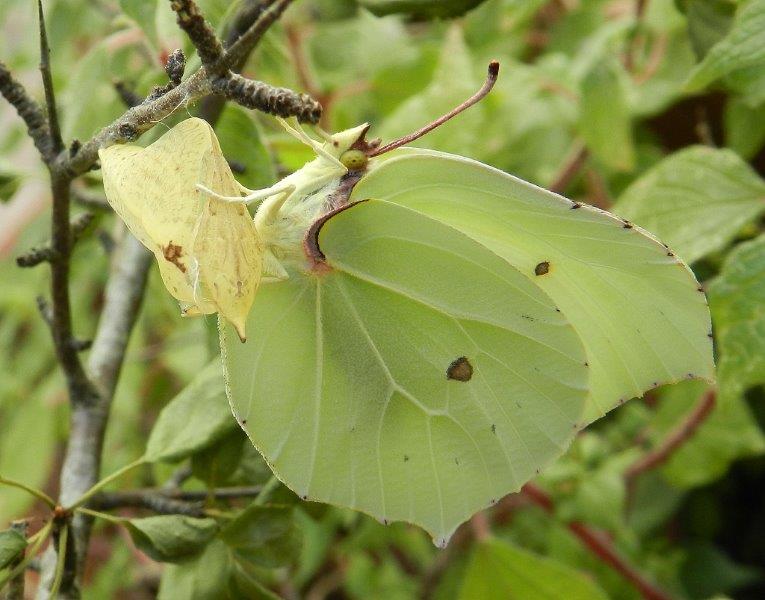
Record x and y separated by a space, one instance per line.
602 547
676 438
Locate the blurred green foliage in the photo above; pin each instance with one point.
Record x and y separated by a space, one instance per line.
669 107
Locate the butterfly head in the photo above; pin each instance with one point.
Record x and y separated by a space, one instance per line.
351 148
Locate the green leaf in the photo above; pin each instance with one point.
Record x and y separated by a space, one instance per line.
89 96
27 448
241 141
212 575
171 538
427 9
264 536
708 571
144 13
243 584
695 200
744 127
736 297
12 544
500 570
742 48
708 23
204 577
604 121
358 388
193 420
10 180
617 286
216 464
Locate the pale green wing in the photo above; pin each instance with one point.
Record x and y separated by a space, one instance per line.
419 377
638 309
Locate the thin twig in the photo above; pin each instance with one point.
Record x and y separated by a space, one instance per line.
81 390
570 168
675 439
211 106
157 503
237 54
600 546
47 78
46 253
201 34
127 94
177 478
39 494
29 110
35 256
88 198
159 500
597 190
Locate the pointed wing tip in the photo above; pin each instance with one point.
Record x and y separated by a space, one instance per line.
239 325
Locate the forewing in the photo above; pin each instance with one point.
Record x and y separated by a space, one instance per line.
415 376
638 309
227 246
208 251
152 190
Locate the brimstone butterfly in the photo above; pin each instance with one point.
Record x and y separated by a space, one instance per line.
435 331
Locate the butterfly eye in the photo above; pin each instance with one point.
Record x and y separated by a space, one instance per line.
354 159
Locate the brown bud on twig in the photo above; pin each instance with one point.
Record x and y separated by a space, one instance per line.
175 66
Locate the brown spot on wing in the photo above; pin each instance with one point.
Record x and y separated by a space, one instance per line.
172 253
460 369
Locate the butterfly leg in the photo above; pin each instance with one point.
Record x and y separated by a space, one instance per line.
252 195
273 271
301 135
267 211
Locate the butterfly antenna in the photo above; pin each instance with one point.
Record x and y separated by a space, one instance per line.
491 79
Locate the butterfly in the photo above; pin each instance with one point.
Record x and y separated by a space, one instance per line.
431 332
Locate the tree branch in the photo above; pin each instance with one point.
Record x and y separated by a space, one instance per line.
254 94
165 501
29 111
80 389
127 94
201 34
212 105
82 461
47 78
600 546
45 253
675 439
241 49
